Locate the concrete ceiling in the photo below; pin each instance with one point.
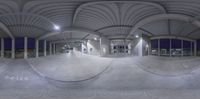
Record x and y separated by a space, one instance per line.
36 18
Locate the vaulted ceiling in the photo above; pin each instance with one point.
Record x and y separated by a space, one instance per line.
37 18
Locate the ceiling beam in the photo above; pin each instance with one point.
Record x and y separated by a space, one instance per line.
29 14
196 30
105 2
158 17
146 31
85 36
113 26
169 26
183 26
5 29
27 25
71 30
68 40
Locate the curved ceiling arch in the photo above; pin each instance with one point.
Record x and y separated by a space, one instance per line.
5 29
162 17
96 15
27 24
190 8
100 2
67 30
55 10
100 14
8 7
28 14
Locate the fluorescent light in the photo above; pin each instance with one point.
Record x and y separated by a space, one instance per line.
95 38
56 27
137 36
147 46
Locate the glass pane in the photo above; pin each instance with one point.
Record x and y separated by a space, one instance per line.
164 47
31 47
154 47
198 47
41 48
7 47
19 47
186 48
176 43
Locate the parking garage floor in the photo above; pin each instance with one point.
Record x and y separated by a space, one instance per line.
108 78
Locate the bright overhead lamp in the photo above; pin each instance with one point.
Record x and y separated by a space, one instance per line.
137 36
95 38
56 27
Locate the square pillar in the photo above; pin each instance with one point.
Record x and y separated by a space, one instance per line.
158 47
37 48
45 48
25 47
140 47
50 48
150 48
13 49
104 46
191 48
170 47
182 48
54 48
2 48
84 48
195 48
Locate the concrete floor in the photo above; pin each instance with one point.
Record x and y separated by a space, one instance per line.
120 78
73 66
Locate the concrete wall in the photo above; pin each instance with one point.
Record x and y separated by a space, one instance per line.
105 46
135 44
146 46
140 46
59 47
84 47
93 47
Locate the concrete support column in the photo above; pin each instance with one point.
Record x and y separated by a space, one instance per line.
191 48
54 48
182 48
84 47
129 48
170 47
2 47
50 48
45 48
25 47
37 48
195 48
13 49
158 47
141 47
150 48
104 46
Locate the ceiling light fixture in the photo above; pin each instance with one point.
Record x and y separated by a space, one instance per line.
137 36
95 38
56 27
